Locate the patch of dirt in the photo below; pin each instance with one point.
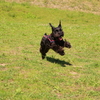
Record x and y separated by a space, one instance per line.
59 95
3 64
17 67
3 68
85 6
74 73
97 89
78 5
77 66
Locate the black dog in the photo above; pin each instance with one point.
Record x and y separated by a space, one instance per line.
54 41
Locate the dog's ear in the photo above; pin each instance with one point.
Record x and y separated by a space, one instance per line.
51 26
59 24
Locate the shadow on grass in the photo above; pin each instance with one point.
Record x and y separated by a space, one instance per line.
57 61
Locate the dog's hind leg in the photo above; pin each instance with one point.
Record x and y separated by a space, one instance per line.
58 49
44 46
43 51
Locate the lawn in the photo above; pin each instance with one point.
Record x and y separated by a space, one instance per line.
25 76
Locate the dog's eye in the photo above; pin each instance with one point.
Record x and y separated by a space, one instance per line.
57 30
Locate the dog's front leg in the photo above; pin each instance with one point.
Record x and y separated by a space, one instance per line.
67 44
58 49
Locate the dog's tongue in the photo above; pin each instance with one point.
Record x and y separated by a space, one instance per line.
60 38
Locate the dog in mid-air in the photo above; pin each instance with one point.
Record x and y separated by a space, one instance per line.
54 41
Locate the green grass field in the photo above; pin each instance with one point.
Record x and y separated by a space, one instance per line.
25 76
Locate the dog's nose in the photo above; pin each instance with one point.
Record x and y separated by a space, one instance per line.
62 34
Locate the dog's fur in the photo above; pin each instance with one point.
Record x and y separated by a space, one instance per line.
54 41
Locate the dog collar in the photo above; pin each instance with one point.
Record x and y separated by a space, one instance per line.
47 36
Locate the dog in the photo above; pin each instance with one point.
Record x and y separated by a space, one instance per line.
54 41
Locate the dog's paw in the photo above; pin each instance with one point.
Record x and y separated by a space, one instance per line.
67 44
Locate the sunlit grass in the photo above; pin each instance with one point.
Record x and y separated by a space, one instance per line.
25 76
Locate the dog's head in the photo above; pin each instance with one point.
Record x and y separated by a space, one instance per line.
57 32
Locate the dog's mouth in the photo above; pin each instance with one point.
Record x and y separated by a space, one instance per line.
60 38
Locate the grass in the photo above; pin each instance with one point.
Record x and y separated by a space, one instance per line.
25 76
79 5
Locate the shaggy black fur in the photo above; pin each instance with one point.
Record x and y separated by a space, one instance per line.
54 41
